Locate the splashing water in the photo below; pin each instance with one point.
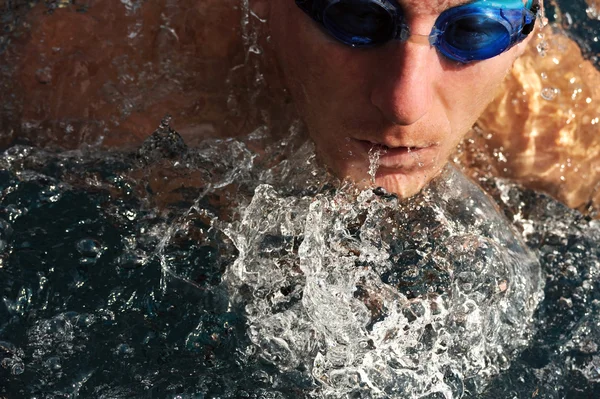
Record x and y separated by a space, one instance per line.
272 279
366 295
375 154
416 157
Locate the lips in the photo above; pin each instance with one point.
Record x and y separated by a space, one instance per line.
402 158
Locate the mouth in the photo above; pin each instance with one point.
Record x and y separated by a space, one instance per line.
403 158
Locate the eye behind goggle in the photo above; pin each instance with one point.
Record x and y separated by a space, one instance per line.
476 34
359 23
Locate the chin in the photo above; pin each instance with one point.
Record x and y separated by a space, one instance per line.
404 180
402 183
405 184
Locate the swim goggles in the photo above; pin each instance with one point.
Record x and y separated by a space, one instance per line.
475 31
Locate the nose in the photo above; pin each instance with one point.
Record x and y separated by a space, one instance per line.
404 88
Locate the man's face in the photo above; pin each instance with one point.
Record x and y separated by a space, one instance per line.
403 97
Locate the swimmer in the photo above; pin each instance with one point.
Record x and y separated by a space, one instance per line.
409 77
106 74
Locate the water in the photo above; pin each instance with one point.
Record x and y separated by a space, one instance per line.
175 272
375 154
580 21
240 269
381 298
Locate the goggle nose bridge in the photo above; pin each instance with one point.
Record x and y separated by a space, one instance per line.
404 34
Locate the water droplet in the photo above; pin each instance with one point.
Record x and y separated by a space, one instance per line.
549 93
374 155
166 121
44 75
130 214
53 363
132 259
543 48
255 49
89 247
17 368
124 349
568 20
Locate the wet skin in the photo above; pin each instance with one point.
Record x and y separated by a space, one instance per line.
402 97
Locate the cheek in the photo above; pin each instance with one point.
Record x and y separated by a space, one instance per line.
470 90
316 68
326 82
322 68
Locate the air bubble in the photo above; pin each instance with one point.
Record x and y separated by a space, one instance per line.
124 349
543 48
549 93
90 249
15 364
53 363
17 368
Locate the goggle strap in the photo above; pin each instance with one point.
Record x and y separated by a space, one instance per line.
309 7
530 18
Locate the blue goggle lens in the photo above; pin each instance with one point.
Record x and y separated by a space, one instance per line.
474 37
475 33
359 23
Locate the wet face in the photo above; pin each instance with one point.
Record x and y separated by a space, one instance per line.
401 97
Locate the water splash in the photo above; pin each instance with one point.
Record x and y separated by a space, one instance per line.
300 289
375 154
368 295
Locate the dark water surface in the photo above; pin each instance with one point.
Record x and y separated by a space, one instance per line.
111 291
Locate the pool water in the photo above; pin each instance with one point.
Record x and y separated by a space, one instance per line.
580 20
110 290
221 271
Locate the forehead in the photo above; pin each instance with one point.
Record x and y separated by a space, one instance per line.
429 7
